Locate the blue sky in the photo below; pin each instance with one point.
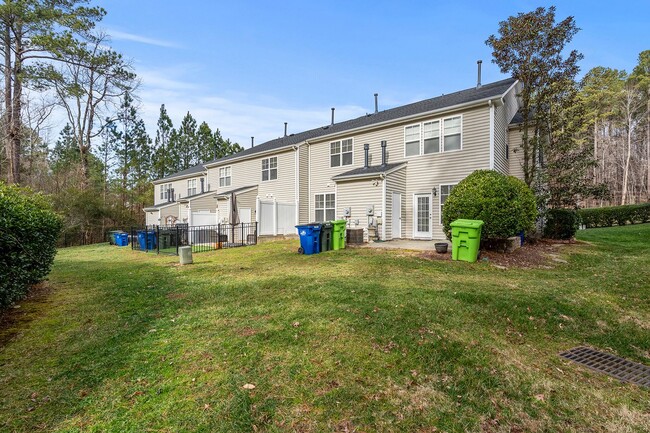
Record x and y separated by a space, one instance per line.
247 67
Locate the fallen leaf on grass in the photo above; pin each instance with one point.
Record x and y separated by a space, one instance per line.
249 386
539 397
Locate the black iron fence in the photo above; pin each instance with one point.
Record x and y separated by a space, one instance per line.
168 239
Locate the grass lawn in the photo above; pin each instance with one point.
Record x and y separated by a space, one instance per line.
357 340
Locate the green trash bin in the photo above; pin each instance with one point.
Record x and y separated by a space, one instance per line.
338 234
326 236
465 239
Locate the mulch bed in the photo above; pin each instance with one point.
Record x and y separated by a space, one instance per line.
541 254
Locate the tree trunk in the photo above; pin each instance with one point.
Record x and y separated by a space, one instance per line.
8 106
647 144
627 160
15 125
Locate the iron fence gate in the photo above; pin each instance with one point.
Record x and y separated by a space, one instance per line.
167 239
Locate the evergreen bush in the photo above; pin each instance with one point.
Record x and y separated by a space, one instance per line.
29 231
504 203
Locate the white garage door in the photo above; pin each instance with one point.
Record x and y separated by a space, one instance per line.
204 218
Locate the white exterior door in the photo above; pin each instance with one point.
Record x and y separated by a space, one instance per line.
245 215
396 215
422 216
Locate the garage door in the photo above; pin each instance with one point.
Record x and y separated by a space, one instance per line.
204 218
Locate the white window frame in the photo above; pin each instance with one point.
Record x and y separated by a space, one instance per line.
441 135
191 187
440 203
165 190
325 209
225 176
341 153
419 125
269 169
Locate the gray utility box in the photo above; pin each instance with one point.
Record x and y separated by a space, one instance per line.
185 254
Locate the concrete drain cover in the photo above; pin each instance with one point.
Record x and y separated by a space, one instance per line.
617 367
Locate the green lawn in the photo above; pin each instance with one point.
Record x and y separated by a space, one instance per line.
356 340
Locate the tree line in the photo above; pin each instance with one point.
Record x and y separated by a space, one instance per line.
100 167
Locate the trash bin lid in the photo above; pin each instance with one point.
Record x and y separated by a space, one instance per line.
469 224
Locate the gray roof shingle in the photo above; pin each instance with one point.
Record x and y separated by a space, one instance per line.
438 103
363 171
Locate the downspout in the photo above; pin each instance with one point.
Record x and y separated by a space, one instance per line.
296 181
309 180
383 207
491 105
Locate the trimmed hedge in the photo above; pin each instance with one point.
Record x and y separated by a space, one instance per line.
561 223
29 230
504 203
619 215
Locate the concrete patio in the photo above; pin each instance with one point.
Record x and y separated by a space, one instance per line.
406 244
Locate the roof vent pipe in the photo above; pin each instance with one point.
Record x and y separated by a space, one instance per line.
478 81
333 115
383 153
285 129
376 103
173 195
252 141
202 185
366 148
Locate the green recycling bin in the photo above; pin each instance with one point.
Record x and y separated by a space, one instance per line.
465 239
338 234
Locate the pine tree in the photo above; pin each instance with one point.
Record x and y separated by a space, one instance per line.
162 157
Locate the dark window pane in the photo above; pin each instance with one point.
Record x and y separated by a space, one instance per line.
274 173
265 175
335 160
347 158
431 145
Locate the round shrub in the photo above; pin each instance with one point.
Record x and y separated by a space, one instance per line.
561 223
504 203
29 230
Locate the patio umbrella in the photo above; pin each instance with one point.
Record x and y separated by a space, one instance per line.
234 215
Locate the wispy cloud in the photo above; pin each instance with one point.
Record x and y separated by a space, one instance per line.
125 36
237 115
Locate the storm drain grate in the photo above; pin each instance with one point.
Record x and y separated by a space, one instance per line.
615 366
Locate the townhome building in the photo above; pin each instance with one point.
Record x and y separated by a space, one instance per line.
388 172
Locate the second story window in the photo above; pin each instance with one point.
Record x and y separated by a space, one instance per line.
412 140
164 191
270 168
224 176
452 134
341 153
431 137
191 187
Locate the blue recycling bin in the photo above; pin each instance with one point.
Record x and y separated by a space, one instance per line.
309 238
147 239
121 239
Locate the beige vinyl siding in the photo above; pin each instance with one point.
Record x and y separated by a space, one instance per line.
358 195
152 218
500 139
183 213
248 200
223 210
303 187
516 159
249 173
180 188
424 172
208 202
395 182
169 211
